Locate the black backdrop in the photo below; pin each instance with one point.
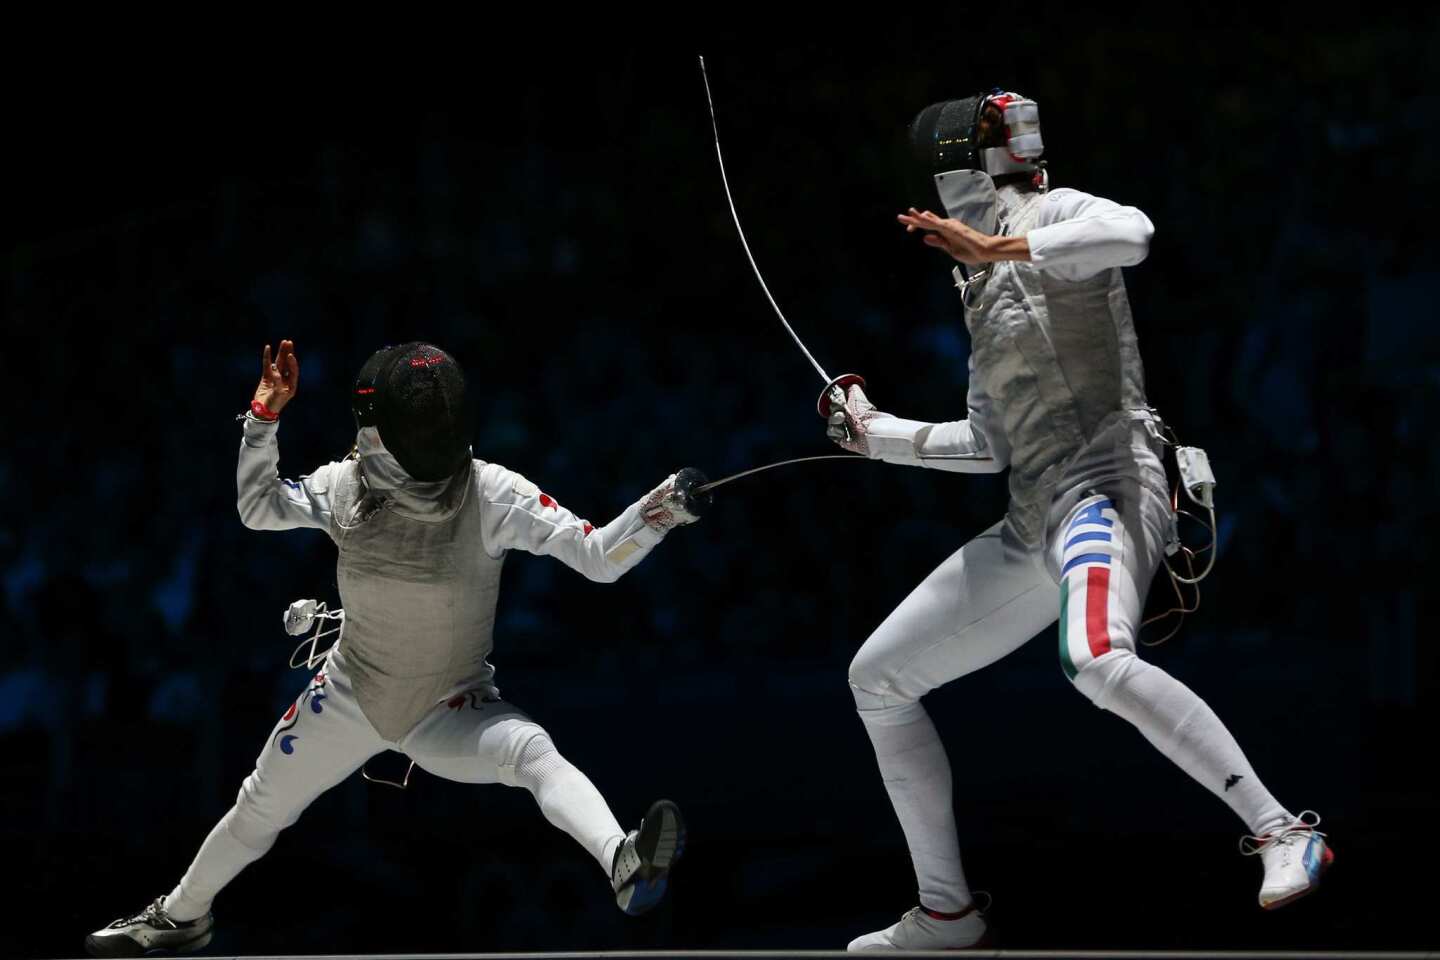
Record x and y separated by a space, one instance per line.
548 208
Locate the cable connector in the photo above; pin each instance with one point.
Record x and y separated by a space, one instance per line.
300 616
1196 475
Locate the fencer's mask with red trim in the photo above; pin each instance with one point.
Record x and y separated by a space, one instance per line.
413 396
972 146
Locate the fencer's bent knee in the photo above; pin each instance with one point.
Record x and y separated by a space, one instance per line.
875 683
523 753
1103 679
869 681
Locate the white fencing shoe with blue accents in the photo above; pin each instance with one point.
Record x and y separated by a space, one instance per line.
1295 857
642 864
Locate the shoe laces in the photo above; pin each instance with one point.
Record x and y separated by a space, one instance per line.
1302 826
154 915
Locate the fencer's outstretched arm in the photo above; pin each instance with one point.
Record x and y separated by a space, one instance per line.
976 444
516 515
1077 235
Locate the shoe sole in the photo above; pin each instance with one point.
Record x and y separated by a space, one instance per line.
988 940
662 835
1327 858
125 947
659 844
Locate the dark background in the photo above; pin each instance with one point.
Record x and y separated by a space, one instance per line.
546 206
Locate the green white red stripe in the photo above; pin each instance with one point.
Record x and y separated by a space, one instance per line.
1086 587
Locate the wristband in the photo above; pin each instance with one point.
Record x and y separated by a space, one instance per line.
263 412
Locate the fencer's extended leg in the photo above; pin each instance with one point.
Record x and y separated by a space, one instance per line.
1107 558
981 603
1106 564
320 740
566 796
477 738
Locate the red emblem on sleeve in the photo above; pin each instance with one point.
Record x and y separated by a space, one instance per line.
588 528
548 501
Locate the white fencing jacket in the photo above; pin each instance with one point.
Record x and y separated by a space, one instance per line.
419 563
1056 384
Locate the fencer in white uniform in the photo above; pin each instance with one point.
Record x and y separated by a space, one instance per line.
422 532
1056 395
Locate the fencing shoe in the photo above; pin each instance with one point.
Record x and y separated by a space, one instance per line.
642 863
150 929
1294 856
921 929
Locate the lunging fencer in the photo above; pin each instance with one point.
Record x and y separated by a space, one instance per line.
422 531
1056 395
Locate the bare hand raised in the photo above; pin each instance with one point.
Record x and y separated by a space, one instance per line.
964 243
280 379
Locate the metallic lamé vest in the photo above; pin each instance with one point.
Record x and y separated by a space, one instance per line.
419 593
1059 359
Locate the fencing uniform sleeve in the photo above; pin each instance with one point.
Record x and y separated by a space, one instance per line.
264 499
1080 235
517 515
974 445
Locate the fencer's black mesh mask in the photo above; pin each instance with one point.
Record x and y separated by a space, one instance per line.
943 136
948 136
965 159
414 395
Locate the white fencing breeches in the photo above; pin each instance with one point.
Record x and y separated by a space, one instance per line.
324 737
991 596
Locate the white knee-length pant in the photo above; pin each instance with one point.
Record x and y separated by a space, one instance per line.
991 596
473 737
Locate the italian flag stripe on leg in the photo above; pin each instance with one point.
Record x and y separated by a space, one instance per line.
1097 613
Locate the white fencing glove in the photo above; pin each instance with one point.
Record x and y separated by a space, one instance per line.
846 424
676 502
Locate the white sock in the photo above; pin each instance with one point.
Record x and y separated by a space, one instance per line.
1185 729
916 772
568 799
